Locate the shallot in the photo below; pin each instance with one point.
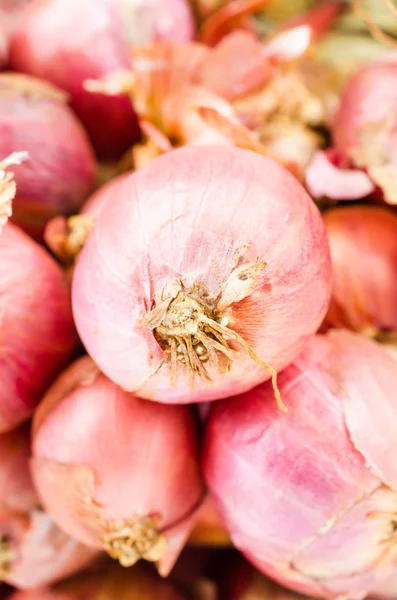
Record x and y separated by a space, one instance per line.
365 126
310 497
116 472
60 172
37 334
107 584
363 241
204 277
68 41
33 551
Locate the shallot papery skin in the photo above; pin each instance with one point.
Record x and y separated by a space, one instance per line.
363 241
37 334
33 551
60 172
116 472
107 584
365 126
67 42
310 497
205 273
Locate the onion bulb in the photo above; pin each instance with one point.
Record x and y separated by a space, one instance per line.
365 126
60 172
67 41
204 275
325 473
363 241
116 472
33 551
107 584
37 334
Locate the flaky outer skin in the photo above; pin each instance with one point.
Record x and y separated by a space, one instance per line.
102 456
190 216
37 334
308 496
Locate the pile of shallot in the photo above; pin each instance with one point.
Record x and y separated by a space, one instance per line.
198 299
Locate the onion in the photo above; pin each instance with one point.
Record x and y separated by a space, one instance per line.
220 236
107 584
365 125
116 472
363 242
61 171
33 551
325 473
66 42
37 334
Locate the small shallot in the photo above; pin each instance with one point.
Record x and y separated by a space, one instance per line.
116 472
365 126
68 41
363 241
60 172
203 277
37 334
310 497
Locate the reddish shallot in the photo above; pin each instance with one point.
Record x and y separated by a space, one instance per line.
204 277
33 551
107 584
60 173
37 334
363 241
364 130
67 41
325 472
116 472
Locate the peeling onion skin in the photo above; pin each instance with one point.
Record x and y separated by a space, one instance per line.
189 216
37 334
365 126
104 460
363 241
68 41
40 552
260 462
108 584
60 172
